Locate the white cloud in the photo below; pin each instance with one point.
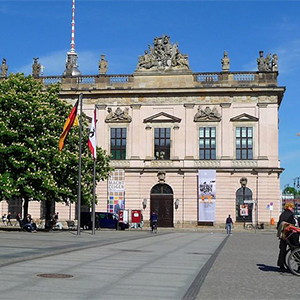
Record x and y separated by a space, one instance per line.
289 57
54 63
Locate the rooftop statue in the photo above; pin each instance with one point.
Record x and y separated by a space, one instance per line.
225 62
267 64
36 68
4 69
162 56
103 65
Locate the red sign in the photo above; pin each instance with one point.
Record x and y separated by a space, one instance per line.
121 215
136 216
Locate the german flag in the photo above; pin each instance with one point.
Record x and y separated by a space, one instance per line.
69 123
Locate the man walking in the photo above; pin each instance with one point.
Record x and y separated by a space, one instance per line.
229 224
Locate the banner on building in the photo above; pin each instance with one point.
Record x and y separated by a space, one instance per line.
206 195
116 191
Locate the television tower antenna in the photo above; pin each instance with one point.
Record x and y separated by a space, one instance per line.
73 29
71 63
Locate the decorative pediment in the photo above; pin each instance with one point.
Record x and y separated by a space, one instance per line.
162 117
119 116
207 114
244 118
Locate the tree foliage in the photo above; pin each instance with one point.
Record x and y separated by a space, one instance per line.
31 168
292 191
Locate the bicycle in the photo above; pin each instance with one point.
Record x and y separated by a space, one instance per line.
250 226
292 258
154 227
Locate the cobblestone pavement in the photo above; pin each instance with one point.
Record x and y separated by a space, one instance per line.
136 264
246 269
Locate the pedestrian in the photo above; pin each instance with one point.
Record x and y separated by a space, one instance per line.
4 218
97 221
9 219
56 222
229 224
19 219
286 216
153 220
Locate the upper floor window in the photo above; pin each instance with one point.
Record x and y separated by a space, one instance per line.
244 142
118 143
162 143
207 143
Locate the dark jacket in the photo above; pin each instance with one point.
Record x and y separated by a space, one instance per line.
286 216
229 221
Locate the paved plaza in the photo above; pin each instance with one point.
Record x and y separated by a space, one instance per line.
136 264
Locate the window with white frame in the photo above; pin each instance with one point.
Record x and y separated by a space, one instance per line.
162 143
118 143
207 143
244 143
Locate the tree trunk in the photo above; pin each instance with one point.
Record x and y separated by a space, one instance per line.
48 221
25 207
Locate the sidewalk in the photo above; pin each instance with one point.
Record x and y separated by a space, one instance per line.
246 269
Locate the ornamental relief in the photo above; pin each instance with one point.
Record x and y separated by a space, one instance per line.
119 116
207 114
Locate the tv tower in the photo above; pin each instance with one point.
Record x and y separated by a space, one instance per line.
71 63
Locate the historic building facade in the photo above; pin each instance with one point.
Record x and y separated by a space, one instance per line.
195 147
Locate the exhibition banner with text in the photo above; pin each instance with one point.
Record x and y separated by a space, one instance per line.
206 195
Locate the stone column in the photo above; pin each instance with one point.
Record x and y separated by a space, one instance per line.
189 132
148 131
136 135
262 133
102 131
224 148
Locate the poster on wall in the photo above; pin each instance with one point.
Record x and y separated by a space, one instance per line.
206 195
116 192
244 212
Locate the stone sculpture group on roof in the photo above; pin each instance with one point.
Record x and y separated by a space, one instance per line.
162 56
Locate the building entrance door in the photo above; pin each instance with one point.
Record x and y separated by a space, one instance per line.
161 201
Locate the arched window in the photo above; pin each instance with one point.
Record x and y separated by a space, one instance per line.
162 189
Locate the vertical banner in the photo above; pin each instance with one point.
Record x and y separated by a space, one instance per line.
206 195
116 192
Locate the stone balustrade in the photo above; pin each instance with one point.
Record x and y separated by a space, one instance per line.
221 79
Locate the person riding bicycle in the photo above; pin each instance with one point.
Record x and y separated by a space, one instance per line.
153 220
286 216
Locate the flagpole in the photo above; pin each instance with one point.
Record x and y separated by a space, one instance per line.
94 177
94 196
79 168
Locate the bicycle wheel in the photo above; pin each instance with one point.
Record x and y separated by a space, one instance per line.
294 261
249 226
288 253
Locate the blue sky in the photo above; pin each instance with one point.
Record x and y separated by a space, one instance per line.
122 31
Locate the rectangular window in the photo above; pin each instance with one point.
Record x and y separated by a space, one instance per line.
207 143
118 143
162 143
244 142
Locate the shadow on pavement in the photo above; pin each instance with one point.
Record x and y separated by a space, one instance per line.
267 268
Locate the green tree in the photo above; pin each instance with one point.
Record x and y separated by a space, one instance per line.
31 167
291 190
